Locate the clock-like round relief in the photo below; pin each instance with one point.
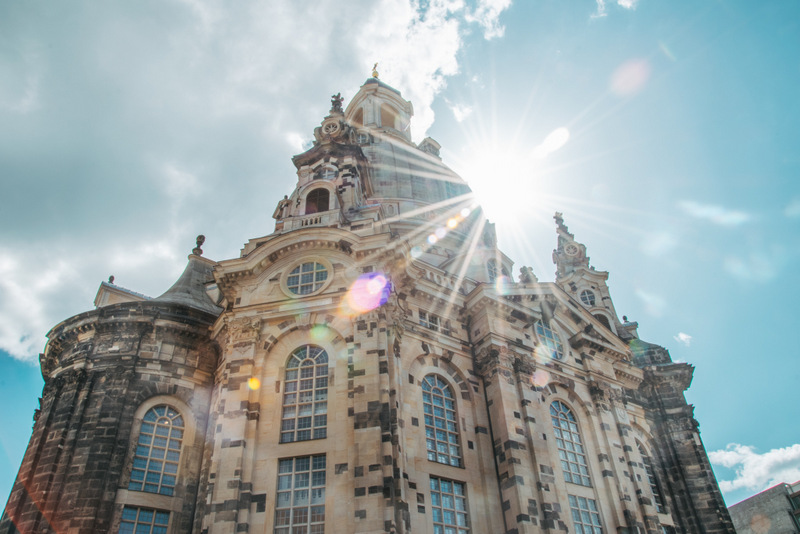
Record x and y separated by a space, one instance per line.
571 249
331 128
308 277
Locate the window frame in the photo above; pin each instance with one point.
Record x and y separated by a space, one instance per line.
431 321
155 528
591 510
567 446
590 300
652 480
317 287
555 347
286 484
294 387
168 449
448 432
438 497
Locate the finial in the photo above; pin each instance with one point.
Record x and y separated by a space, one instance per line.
375 71
111 279
197 250
336 103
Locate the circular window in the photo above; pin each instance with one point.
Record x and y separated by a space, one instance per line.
587 297
551 340
307 278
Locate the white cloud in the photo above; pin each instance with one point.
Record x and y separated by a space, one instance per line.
487 14
554 140
601 6
754 471
659 243
212 96
683 338
716 214
460 111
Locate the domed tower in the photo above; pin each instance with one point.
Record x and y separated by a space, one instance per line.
119 437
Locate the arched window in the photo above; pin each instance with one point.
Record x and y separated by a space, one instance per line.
305 395
603 319
441 421
317 201
491 268
158 451
551 340
587 297
569 444
658 500
387 117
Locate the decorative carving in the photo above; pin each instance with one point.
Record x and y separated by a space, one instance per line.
526 276
375 71
244 330
197 251
336 103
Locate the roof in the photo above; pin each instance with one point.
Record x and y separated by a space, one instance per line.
190 289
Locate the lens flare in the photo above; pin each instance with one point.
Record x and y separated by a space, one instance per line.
502 285
441 232
630 77
543 354
318 333
432 239
370 291
540 378
254 383
416 252
452 223
465 212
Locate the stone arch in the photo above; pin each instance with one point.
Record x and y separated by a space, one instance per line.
423 364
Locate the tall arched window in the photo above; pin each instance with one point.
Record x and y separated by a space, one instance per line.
658 500
551 340
158 451
491 267
317 201
570 446
305 395
441 421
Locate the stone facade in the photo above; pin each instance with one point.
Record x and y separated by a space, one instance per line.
370 366
774 510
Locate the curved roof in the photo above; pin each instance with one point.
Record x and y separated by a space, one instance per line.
190 289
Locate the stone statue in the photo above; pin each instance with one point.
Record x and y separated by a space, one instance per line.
197 250
336 103
526 276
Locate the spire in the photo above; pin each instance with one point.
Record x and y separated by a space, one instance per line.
570 255
190 289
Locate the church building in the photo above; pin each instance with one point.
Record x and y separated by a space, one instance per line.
373 365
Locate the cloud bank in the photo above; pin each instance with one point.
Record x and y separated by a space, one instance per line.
754 471
129 128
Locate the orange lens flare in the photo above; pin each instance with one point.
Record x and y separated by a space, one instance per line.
254 383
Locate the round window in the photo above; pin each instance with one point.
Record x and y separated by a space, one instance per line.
587 297
551 340
307 278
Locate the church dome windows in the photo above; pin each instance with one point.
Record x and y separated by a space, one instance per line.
587 297
317 201
308 278
550 340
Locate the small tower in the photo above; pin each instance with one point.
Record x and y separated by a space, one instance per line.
579 279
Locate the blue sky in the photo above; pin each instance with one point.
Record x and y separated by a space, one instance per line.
666 132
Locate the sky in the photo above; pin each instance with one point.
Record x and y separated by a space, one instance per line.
666 132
